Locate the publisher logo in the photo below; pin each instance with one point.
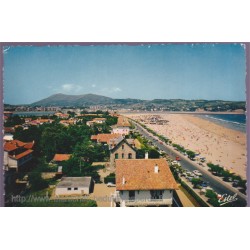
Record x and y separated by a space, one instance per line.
226 198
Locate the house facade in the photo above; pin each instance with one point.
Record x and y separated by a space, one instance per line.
120 130
122 127
74 186
121 151
143 182
16 154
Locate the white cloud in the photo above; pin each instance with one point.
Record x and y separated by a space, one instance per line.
116 89
93 85
71 88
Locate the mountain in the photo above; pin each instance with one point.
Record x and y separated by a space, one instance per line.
156 104
74 100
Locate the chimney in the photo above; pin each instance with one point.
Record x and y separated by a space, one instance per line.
146 155
156 169
123 181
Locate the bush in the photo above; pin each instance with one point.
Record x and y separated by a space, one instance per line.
212 198
110 178
36 181
196 182
61 203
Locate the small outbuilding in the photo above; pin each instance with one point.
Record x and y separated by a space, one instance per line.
69 186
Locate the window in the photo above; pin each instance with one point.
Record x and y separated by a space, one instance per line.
123 146
129 156
122 156
69 188
131 195
156 194
75 188
116 156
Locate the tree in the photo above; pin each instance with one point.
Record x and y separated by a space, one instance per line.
14 120
191 154
212 198
153 154
140 153
196 182
36 181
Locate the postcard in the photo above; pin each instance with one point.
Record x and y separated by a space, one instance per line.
124 125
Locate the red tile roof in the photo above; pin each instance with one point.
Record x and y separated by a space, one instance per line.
8 146
15 144
139 174
19 156
61 157
29 145
105 138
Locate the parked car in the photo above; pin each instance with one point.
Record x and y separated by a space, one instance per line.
110 184
198 173
204 184
183 174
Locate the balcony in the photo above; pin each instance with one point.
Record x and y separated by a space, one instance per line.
147 202
133 202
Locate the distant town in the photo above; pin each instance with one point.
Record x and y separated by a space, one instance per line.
91 102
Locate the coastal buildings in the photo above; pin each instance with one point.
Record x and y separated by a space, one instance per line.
143 182
105 138
122 127
96 121
17 154
123 150
74 186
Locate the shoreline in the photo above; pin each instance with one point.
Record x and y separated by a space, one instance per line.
220 145
126 112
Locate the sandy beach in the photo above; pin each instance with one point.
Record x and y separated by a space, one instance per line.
218 144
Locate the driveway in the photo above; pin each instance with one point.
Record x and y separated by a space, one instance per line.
101 195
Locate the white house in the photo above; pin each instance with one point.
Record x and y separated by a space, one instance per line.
74 186
122 127
143 182
99 120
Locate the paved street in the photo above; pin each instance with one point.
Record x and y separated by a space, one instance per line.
217 184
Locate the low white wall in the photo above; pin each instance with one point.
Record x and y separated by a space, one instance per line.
64 191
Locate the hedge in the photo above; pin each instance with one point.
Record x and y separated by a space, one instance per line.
196 197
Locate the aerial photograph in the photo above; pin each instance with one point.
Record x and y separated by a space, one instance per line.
125 125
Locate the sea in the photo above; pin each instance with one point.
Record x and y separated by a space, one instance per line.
232 121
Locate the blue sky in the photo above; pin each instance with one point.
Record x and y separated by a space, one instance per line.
170 71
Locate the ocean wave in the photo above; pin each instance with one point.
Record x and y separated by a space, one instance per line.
227 121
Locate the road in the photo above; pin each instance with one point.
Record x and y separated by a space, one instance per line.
214 182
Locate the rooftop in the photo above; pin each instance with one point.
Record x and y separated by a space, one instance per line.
61 157
74 182
99 119
105 138
139 174
15 144
19 156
